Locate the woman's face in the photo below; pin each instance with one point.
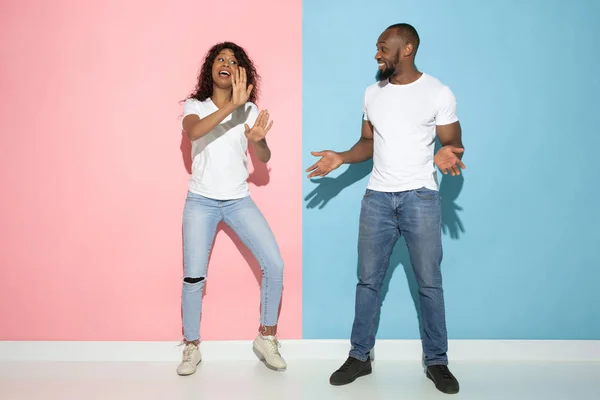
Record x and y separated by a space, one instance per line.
224 66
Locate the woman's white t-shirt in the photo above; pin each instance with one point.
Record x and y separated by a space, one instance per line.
219 160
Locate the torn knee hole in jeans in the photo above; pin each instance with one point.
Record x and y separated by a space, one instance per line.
193 280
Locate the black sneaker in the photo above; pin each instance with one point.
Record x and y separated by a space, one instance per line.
351 370
442 377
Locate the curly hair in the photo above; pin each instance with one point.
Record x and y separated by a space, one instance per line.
204 87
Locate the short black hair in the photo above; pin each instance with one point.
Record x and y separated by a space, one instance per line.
408 33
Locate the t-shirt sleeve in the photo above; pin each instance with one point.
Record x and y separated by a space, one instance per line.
446 107
365 114
252 113
191 106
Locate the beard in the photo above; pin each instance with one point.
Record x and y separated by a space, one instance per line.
385 74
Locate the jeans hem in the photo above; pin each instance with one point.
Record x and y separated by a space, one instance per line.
358 357
265 324
432 363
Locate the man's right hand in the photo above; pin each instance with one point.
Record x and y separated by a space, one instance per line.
329 161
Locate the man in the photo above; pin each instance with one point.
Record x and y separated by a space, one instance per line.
403 112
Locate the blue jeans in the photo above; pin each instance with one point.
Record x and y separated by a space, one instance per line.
416 214
201 216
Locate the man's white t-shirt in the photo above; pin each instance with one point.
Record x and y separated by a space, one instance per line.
404 118
219 160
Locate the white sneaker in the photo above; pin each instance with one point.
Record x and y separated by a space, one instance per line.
190 359
267 348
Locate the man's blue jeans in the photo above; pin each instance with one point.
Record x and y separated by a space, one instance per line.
416 214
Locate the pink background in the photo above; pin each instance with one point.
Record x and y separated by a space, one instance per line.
93 175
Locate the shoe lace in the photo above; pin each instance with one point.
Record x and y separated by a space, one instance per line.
443 371
349 362
274 345
188 351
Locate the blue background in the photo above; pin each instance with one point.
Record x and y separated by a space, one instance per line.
521 241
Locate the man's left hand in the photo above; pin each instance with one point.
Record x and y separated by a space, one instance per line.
447 160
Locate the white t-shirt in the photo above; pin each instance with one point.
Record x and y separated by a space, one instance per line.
404 118
219 161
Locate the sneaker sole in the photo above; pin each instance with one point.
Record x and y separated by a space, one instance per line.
191 373
367 371
262 358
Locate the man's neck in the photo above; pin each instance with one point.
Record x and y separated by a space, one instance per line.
406 76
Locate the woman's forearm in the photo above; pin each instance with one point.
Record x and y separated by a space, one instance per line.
262 150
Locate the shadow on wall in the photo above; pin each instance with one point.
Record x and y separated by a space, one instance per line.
450 187
260 176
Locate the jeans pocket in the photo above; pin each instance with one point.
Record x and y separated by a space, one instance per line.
368 193
193 196
426 194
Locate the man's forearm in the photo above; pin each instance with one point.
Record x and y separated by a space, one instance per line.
263 152
361 151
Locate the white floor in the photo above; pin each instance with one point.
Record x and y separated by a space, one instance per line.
304 379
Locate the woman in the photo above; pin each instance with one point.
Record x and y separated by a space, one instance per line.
221 118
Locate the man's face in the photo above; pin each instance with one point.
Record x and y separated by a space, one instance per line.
389 47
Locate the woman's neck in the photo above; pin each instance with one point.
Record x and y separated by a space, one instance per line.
220 96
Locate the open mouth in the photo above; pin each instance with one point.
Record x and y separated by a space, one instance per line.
381 65
224 73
